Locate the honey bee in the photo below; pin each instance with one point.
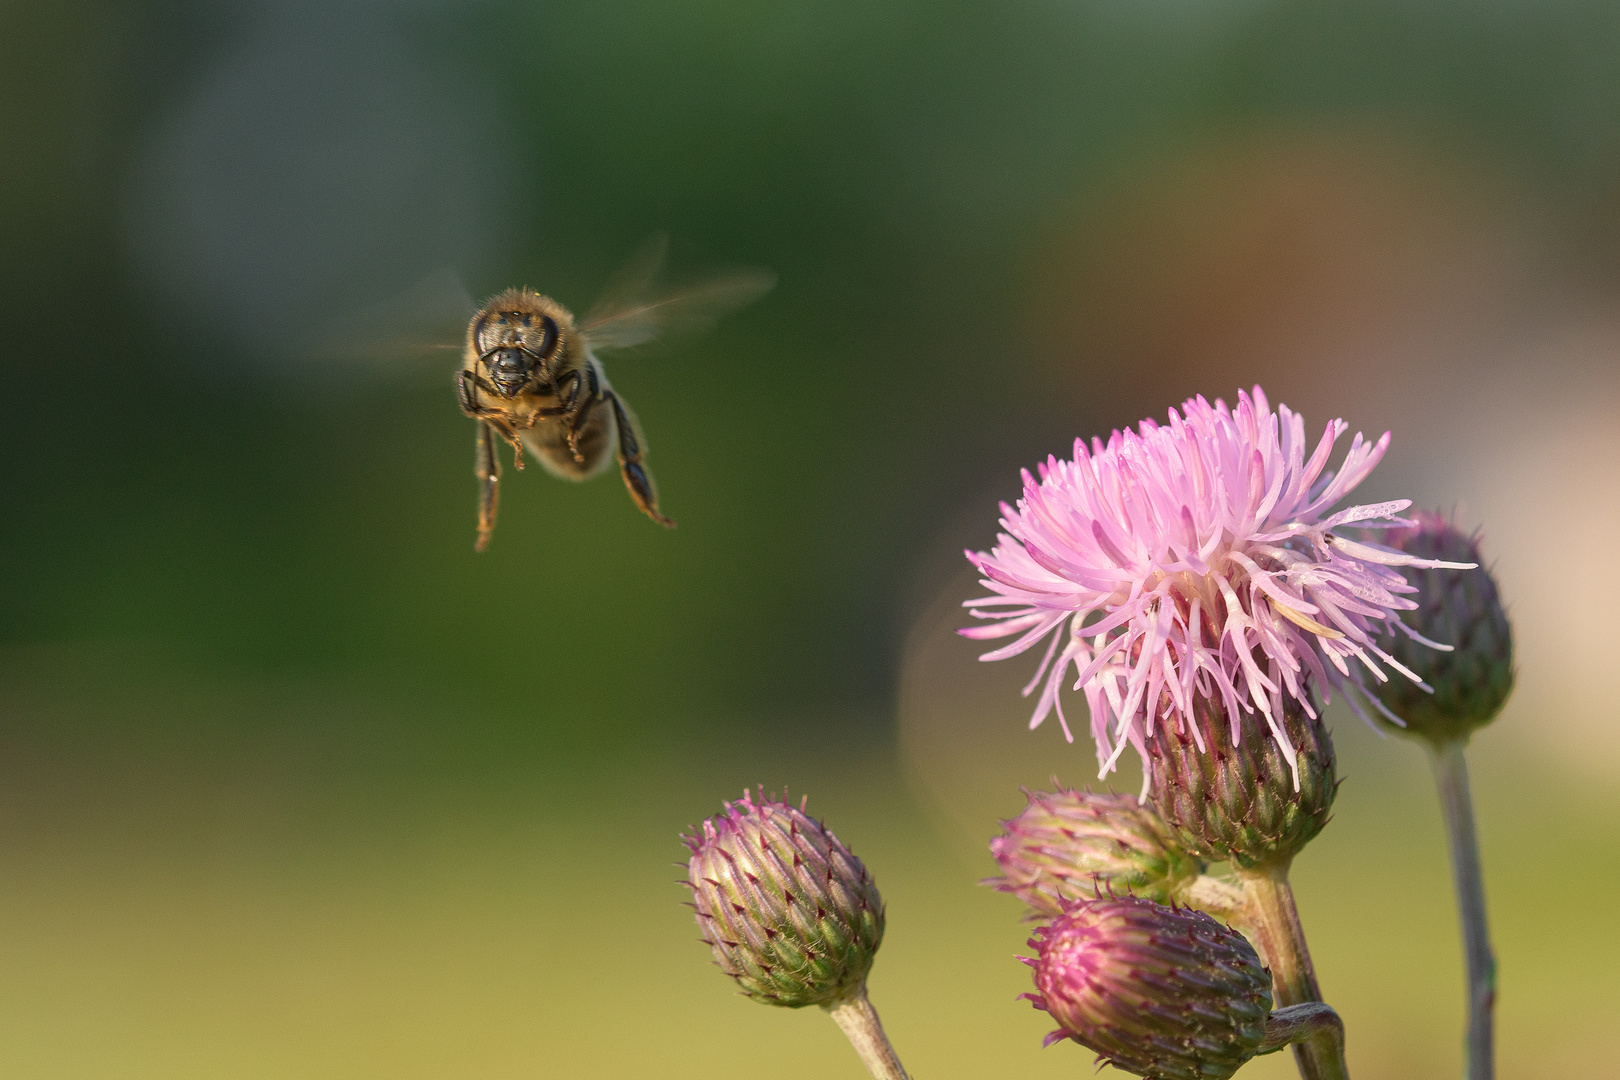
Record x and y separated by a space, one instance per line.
530 376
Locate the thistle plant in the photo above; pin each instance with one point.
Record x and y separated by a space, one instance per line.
792 915
1465 684
1197 577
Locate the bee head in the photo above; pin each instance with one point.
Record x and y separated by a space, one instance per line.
515 341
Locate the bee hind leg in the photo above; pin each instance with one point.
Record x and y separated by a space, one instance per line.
636 477
487 467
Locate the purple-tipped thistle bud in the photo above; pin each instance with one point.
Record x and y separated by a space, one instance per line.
789 911
1238 796
1071 845
1460 608
1156 991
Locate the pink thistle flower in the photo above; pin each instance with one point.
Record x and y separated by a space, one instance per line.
1198 559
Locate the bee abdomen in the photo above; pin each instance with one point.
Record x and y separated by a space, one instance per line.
548 442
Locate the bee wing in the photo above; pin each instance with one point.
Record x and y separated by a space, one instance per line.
633 282
635 308
423 320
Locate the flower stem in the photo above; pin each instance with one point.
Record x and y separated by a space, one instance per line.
864 1030
1218 898
1295 1023
1281 939
1451 777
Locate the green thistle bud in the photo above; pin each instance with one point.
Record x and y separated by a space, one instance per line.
789 911
1243 802
1460 608
1156 991
1070 845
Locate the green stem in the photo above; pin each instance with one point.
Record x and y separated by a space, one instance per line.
1451 777
1281 939
864 1030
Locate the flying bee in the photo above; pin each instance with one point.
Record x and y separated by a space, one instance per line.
530 376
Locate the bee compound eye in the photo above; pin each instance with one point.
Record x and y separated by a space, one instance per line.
548 336
485 335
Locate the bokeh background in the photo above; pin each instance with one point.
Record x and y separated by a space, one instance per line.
294 785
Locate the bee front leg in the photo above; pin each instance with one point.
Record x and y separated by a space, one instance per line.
468 386
487 467
570 401
636 477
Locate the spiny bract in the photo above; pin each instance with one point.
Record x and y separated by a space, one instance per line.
1243 802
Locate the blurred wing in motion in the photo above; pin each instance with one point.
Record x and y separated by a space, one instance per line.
421 321
634 309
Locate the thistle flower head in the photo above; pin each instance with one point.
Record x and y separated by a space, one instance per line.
1196 558
1457 638
789 911
1072 845
1156 991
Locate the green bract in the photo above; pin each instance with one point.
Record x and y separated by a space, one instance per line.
1240 802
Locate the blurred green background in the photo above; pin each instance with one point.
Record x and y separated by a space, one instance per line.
294 785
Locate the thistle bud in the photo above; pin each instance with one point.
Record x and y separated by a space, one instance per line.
789 911
1239 797
1460 608
1156 991
1072 845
